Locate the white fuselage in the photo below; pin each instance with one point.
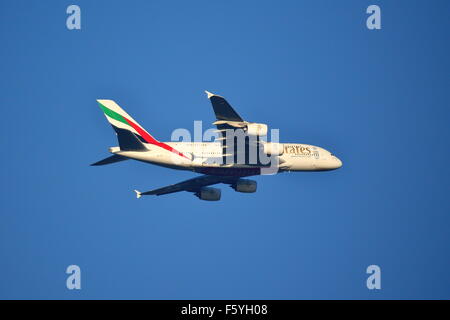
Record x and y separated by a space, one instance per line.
206 157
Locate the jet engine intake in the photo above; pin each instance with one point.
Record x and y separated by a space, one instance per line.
257 129
273 148
245 185
209 194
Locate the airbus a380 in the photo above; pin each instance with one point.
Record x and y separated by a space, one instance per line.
224 161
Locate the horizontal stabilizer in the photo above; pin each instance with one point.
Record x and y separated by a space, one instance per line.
109 160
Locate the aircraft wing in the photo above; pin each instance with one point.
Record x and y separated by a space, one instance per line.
191 185
222 109
228 120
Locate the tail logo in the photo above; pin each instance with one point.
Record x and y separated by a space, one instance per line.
111 114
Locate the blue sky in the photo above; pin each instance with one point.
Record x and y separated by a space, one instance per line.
377 99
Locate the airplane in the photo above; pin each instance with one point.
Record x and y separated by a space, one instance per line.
223 160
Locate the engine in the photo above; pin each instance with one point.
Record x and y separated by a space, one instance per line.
208 194
245 185
257 129
273 148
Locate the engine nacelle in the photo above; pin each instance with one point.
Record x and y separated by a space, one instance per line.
257 129
273 148
245 185
209 194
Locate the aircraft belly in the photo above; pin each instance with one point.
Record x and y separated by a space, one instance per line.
230 171
163 158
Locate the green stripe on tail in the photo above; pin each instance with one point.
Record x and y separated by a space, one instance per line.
112 114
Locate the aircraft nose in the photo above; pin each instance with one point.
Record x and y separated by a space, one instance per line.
338 162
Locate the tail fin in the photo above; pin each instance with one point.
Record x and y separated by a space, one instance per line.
128 129
119 119
128 141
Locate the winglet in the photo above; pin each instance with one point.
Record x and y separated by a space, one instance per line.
138 194
209 94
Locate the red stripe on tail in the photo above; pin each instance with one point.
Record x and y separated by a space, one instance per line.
152 140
